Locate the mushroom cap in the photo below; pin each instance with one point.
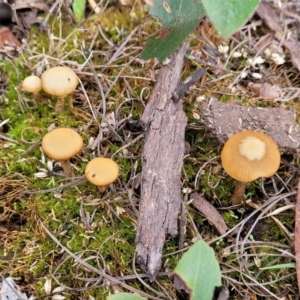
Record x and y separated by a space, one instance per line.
32 84
62 144
249 155
101 171
59 81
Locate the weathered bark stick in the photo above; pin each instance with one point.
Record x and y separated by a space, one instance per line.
223 120
162 161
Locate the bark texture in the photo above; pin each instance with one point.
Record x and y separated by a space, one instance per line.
223 120
162 161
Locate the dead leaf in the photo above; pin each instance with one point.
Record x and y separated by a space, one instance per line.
265 90
7 38
209 211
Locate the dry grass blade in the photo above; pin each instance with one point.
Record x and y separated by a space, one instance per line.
88 266
241 247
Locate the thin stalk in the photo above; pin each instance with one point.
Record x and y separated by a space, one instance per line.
60 105
238 195
67 168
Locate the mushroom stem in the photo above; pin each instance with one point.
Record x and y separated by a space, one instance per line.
35 97
67 168
238 195
60 105
101 189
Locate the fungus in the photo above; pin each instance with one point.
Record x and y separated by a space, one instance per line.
61 144
101 172
32 84
60 82
247 156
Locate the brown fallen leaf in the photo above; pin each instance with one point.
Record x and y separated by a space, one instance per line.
7 38
209 211
265 90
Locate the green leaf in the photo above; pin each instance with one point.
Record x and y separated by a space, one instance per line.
78 7
125 296
200 271
229 15
179 18
280 266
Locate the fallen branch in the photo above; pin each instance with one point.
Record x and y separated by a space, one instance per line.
162 161
223 120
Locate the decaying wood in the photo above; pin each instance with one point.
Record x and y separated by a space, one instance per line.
162 161
223 120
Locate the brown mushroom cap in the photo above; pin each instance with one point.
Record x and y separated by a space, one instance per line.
32 84
62 144
249 155
101 171
59 81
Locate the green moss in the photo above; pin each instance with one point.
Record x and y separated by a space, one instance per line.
211 180
231 218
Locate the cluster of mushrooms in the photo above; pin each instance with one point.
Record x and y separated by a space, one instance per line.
57 81
61 144
247 156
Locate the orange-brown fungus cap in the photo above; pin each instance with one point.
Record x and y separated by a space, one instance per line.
62 144
101 171
32 84
249 155
59 81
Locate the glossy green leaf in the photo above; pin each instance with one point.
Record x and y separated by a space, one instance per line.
200 271
229 15
179 18
78 7
125 296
